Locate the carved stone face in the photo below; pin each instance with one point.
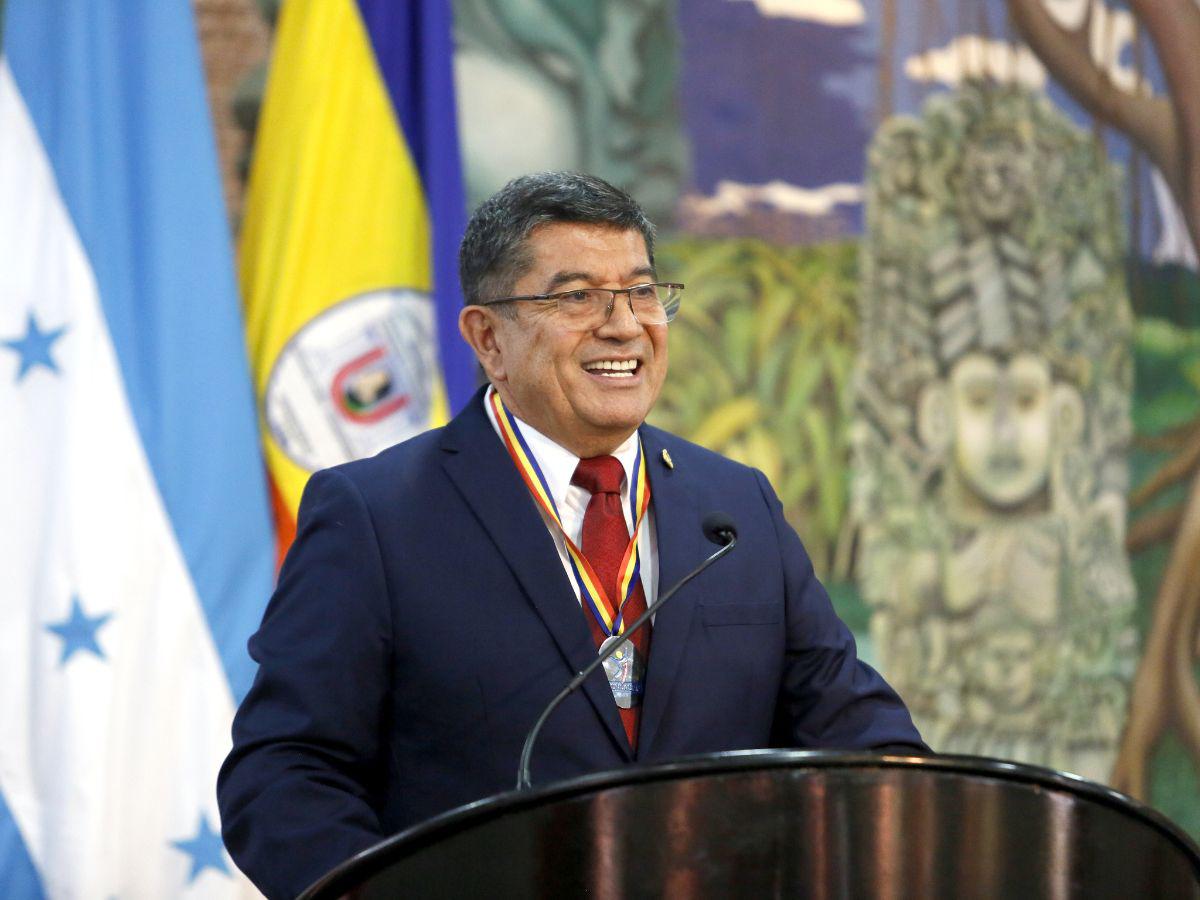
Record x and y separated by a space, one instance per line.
1004 666
996 177
1003 429
902 173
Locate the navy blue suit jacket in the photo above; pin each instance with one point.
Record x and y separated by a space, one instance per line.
423 619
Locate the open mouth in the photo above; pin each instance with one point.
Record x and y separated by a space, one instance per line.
613 368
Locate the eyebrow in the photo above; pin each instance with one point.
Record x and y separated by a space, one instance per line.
561 278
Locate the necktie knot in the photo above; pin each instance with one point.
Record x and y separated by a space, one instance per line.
599 475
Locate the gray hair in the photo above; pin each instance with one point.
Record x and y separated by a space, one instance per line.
494 255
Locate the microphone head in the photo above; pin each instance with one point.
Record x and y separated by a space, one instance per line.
719 528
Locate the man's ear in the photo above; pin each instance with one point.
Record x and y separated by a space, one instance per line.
478 327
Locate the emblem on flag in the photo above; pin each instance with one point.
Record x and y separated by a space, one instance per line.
355 379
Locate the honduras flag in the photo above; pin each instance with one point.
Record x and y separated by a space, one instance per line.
135 541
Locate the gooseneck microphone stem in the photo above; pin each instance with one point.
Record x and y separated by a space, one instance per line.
720 531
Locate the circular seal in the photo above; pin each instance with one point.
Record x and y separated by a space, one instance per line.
354 379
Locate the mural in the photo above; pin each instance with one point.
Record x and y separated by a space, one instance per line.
1162 121
560 84
942 289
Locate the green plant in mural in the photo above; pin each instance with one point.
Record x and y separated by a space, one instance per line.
1166 452
761 360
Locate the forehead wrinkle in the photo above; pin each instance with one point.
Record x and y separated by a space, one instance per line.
564 277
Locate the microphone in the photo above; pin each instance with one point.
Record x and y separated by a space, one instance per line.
718 527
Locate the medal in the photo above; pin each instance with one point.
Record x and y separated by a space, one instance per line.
626 673
625 668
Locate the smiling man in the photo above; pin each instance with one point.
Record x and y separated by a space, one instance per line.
440 594
579 365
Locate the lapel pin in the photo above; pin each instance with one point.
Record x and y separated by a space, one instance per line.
667 461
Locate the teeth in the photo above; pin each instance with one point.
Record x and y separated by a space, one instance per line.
622 367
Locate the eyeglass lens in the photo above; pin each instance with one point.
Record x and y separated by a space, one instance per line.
589 308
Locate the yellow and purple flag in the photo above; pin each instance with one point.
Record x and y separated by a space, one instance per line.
350 238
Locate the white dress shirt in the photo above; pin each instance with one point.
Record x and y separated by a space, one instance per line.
558 466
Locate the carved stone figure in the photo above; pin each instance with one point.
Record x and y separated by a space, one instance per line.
992 420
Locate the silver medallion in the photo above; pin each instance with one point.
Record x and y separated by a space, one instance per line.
626 673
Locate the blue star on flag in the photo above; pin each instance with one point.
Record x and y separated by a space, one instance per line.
34 346
78 632
205 849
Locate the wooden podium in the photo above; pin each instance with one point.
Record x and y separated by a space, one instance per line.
789 824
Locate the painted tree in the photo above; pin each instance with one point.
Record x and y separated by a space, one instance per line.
1166 129
885 67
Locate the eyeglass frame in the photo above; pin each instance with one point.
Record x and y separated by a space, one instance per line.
611 303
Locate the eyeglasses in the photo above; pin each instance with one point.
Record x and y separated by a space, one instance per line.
586 309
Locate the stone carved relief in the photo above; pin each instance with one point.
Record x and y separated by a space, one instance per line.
992 421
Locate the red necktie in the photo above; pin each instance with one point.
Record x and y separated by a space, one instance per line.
605 538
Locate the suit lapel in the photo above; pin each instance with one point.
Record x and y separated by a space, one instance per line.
681 547
475 460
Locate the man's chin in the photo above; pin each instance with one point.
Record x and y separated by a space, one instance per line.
615 411
614 430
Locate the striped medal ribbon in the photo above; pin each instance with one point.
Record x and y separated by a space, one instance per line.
595 598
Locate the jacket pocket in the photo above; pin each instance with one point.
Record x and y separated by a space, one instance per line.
740 613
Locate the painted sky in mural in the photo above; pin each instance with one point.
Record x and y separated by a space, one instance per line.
790 164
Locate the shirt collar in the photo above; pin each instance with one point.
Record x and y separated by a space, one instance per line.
556 461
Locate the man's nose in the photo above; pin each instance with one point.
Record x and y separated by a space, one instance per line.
622 324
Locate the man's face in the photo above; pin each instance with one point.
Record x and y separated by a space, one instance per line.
548 375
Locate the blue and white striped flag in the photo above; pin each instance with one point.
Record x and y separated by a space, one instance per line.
135 542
